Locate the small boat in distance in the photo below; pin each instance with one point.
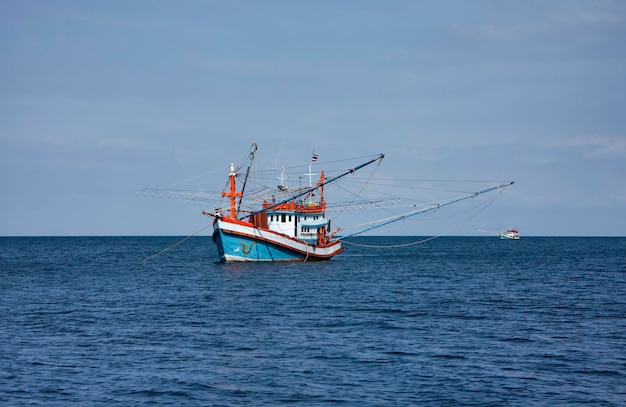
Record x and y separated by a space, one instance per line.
510 234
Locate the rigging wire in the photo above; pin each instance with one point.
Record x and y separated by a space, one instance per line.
270 171
192 178
488 202
357 194
280 149
175 244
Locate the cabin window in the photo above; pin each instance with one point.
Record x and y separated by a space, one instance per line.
289 218
283 218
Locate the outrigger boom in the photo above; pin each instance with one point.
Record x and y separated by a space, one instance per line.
428 209
318 186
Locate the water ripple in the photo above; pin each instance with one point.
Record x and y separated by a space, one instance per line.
457 321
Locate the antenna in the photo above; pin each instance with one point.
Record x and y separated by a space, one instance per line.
310 174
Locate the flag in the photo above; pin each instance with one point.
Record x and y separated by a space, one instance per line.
314 157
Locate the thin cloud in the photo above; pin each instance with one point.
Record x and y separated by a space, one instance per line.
124 143
603 13
568 18
490 32
599 146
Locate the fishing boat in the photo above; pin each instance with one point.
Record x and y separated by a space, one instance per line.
254 221
291 226
509 234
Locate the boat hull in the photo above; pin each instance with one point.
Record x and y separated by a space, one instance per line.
239 242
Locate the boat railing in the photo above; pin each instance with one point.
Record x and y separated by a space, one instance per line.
292 206
286 206
311 208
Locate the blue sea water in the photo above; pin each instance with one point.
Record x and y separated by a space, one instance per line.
450 321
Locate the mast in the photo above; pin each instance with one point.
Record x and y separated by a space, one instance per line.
232 194
245 180
283 180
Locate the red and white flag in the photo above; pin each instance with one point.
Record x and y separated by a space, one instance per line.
314 157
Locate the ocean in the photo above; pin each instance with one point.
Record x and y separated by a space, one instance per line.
392 321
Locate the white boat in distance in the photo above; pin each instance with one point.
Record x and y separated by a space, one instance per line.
509 234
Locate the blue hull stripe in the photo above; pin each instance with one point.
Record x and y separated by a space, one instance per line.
243 248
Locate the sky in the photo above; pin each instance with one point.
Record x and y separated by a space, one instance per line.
99 99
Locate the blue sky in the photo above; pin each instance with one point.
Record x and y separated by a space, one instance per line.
99 99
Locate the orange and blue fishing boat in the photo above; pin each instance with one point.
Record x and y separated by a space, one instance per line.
292 226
